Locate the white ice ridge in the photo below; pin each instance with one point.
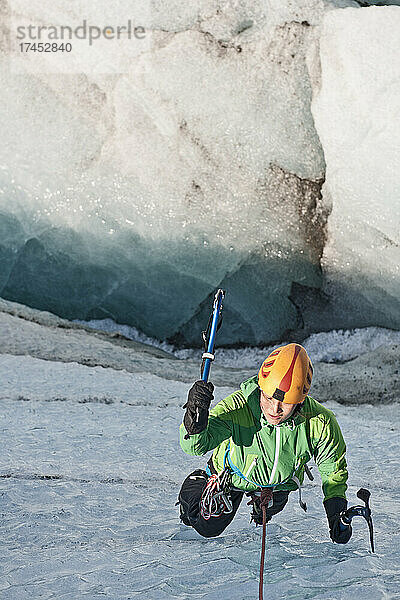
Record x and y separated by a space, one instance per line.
371 377
328 346
356 110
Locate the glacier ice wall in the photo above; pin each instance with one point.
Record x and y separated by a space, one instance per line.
133 194
357 115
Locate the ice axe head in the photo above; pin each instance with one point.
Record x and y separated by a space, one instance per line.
364 495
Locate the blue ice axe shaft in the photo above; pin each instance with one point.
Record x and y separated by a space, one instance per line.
217 307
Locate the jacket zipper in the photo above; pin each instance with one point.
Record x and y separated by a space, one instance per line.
253 464
277 450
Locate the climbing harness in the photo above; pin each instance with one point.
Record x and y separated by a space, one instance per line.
255 503
216 496
234 469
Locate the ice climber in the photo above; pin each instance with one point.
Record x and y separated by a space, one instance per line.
262 436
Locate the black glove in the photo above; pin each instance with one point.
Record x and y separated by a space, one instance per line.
197 405
333 508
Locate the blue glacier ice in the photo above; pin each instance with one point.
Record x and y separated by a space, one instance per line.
132 194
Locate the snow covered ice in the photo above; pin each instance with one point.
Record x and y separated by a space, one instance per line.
91 468
88 493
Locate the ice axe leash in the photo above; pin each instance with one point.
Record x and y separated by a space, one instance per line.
348 515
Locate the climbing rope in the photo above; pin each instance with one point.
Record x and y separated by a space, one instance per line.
265 499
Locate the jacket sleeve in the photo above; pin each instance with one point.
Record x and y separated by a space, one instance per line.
330 456
219 428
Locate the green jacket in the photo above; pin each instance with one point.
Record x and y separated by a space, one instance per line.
261 454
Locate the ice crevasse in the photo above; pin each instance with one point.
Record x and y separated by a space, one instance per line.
253 148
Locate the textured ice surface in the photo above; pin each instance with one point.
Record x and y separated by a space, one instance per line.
132 195
89 485
356 113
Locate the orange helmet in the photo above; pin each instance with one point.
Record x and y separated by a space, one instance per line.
286 374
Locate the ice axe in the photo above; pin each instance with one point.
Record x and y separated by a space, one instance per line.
209 334
360 511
